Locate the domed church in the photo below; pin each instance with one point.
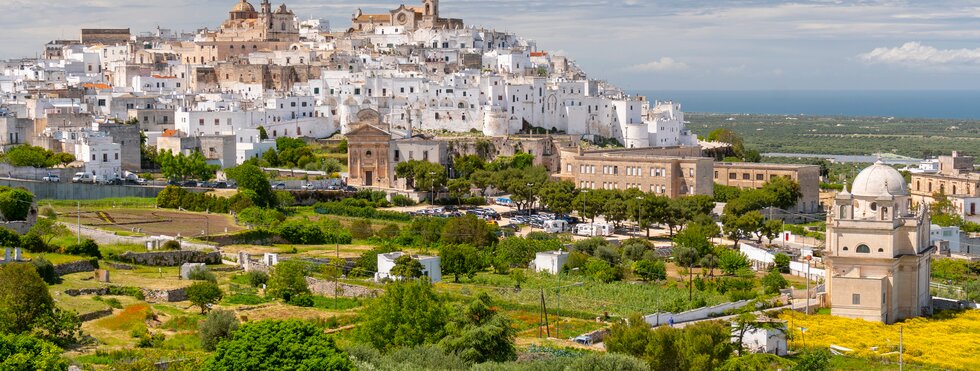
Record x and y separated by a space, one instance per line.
878 253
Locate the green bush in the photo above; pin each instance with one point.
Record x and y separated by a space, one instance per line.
301 300
113 303
256 278
86 248
174 197
302 232
217 326
46 270
201 274
361 229
402 201
171 245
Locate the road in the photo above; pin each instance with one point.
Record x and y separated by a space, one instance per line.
103 237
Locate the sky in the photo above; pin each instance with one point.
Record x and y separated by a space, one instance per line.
635 44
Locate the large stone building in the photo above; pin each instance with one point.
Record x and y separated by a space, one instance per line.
671 172
956 177
749 175
878 250
407 18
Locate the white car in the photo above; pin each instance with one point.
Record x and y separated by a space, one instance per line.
51 178
82 177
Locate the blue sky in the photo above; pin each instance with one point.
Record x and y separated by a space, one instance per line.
636 44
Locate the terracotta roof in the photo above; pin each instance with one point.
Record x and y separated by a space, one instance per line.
539 54
169 133
374 17
96 86
163 77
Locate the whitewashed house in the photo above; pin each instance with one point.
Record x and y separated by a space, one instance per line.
430 266
550 261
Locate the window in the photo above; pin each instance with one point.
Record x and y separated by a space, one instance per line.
856 299
117 155
881 250
863 249
760 177
732 176
716 174
367 154
201 122
746 176
105 157
845 248
874 206
843 212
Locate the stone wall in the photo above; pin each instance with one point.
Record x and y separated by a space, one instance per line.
326 288
75 267
171 258
89 291
165 296
95 315
80 191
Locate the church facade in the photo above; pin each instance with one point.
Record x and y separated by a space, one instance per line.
407 18
878 253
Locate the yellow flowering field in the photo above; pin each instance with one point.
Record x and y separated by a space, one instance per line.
947 340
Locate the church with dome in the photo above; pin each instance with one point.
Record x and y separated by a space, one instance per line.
878 252
244 23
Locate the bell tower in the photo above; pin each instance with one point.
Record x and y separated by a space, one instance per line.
431 8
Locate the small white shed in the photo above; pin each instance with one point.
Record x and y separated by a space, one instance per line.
430 266
550 261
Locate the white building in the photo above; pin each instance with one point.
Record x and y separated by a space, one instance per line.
550 261
430 266
949 234
101 156
763 337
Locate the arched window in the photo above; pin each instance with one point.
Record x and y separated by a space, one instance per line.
863 249
367 154
881 250
282 26
884 212
843 212
845 248
874 206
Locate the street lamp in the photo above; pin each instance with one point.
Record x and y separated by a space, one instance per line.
558 305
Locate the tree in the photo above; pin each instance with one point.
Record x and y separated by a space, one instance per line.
615 210
470 230
9 237
48 229
478 333
771 229
702 346
249 177
288 279
260 218
219 325
460 260
203 294
600 270
784 192
37 157
813 360
409 313
24 298
45 269
687 256
406 268
972 290
732 261
24 352
558 196
361 228
180 166
465 166
15 203
650 270
774 281
781 263
279 345
519 251
263 135
741 227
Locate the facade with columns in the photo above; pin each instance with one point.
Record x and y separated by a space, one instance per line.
878 253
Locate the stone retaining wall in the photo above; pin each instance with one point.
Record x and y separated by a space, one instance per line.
326 288
95 315
91 291
171 258
75 267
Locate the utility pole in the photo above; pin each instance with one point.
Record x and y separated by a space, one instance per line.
807 285
78 215
336 279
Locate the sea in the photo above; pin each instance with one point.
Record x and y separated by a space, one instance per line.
925 104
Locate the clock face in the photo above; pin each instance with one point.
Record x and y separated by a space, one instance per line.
402 18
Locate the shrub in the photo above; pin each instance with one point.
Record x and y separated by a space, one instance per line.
34 243
171 245
46 270
217 326
279 345
86 248
389 231
301 300
357 208
774 281
113 303
302 232
401 200
650 270
203 294
201 274
256 278
24 352
361 229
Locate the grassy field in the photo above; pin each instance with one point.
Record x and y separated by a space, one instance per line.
148 221
947 340
588 300
845 135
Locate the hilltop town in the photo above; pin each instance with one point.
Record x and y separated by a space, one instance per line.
412 192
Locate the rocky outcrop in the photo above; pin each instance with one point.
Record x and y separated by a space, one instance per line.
75 267
326 288
171 258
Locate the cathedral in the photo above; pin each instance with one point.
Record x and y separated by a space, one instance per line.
878 253
246 24
408 18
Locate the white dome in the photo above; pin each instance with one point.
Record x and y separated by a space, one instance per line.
879 180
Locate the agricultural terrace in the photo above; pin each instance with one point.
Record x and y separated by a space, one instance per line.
125 216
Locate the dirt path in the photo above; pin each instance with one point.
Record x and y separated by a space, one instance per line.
103 237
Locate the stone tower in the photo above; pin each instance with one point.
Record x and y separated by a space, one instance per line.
430 8
878 253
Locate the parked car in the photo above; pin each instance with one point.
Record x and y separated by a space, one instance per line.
51 178
221 185
350 189
190 184
173 182
113 181
208 184
83 177
279 185
309 186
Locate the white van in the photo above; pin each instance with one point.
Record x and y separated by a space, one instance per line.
83 177
555 226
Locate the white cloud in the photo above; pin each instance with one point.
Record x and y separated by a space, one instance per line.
916 54
663 64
